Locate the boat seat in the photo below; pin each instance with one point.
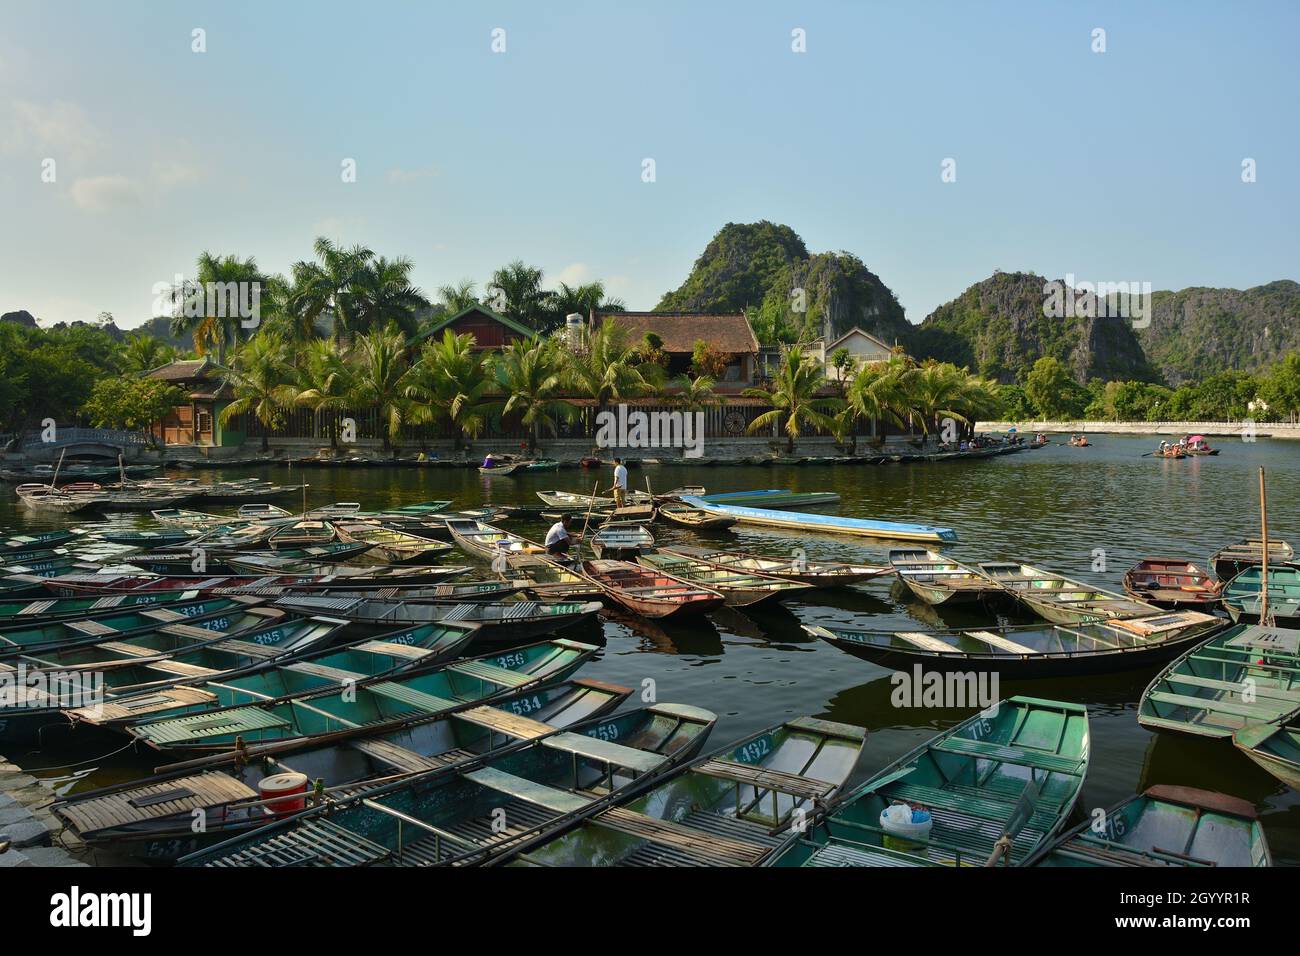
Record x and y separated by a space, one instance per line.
91 628
927 641
315 842
1210 703
153 801
513 725
192 630
1234 687
984 804
766 779
167 615
501 676
529 791
409 695
409 651
130 650
135 706
841 854
201 726
181 669
611 754
336 674
400 758
1018 756
248 649
715 849
1000 642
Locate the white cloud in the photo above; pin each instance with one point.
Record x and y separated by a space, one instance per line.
172 173
101 193
61 128
575 273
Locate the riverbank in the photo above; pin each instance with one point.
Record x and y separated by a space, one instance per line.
26 826
1226 429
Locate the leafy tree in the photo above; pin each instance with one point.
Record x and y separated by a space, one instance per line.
708 361
606 368
448 385
208 306
515 291
1050 388
1281 388
259 380
794 400
323 382
134 403
382 378
143 353
458 297
532 375
327 286
381 294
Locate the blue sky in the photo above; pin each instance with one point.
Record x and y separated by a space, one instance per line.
1123 165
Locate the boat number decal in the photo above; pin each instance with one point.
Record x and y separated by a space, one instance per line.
269 637
755 750
407 638
526 706
604 732
510 660
981 728
215 624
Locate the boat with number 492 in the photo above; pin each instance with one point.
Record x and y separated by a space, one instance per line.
1033 650
998 787
469 816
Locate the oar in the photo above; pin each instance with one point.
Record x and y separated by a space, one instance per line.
1021 815
590 503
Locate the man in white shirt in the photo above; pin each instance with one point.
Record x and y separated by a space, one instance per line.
557 539
620 484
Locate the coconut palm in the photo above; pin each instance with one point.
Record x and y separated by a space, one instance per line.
322 382
582 299
878 392
381 376
209 306
517 289
257 378
938 392
532 375
606 368
458 297
381 293
794 400
326 285
695 394
143 353
449 384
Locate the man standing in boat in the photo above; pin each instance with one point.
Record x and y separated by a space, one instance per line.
619 488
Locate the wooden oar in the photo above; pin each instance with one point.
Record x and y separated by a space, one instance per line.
1021 815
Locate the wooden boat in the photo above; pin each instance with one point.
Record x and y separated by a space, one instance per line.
580 502
477 537
449 818
818 574
1058 599
339 509
1080 442
49 561
262 511
393 546
26 611
621 542
685 516
301 534
1201 693
1171 584
1242 596
734 807
1274 747
1199 445
21 579
407 650
185 518
28 558
936 579
339 579
1230 561
500 622
740 588
780 498
503 466
1035 650
151 820
147 539
225 613
828 524
541 464
37 497
1169 451
418 509
650 593
30 542
1166 826
1006 779
377 705
160 662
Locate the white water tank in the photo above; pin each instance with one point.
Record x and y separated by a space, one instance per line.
573 329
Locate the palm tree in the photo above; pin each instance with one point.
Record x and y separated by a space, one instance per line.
606 368
448 385
938 391
517 288
257 378
877 392
381 378
322 382
208 307
459 297
695 394
143 353
532 374
582 299
382 293
794 401
326 285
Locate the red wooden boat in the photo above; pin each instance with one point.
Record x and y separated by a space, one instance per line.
650 593
1172 584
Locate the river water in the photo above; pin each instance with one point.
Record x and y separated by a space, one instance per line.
1058 507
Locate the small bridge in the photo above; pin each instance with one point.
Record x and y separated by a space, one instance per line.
107 443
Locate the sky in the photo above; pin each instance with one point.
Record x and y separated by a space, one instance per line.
1122 165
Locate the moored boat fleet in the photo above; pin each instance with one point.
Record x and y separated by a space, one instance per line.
327 689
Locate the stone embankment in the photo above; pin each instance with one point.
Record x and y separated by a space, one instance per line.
1230 429
26 826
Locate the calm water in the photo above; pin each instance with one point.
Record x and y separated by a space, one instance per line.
1052 507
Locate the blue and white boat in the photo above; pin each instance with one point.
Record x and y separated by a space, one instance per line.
831 524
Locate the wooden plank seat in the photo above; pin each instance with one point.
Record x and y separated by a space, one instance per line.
1038 760
561 801
200 726
974 803
1217 705
501 676
1001 642
501 721
36 608
164 614
140 704
131 650
248 649
717 850
181 795
416 699
860 854
927 641
182 669
606 752
316 842
192 630
336 674
395 756
1260 689
409 651
760 778
91 628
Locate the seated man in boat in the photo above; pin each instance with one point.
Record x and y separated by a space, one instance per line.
619 487
489 461
557 539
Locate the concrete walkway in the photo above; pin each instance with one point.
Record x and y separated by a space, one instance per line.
26 827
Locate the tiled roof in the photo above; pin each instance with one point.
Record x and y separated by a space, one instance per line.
681 330
180 371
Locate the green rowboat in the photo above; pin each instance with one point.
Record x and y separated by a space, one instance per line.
1242 595
936 579
740 588
1056 598
1275 748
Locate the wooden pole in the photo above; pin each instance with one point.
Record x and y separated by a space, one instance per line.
1263 579
590 503
54 481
